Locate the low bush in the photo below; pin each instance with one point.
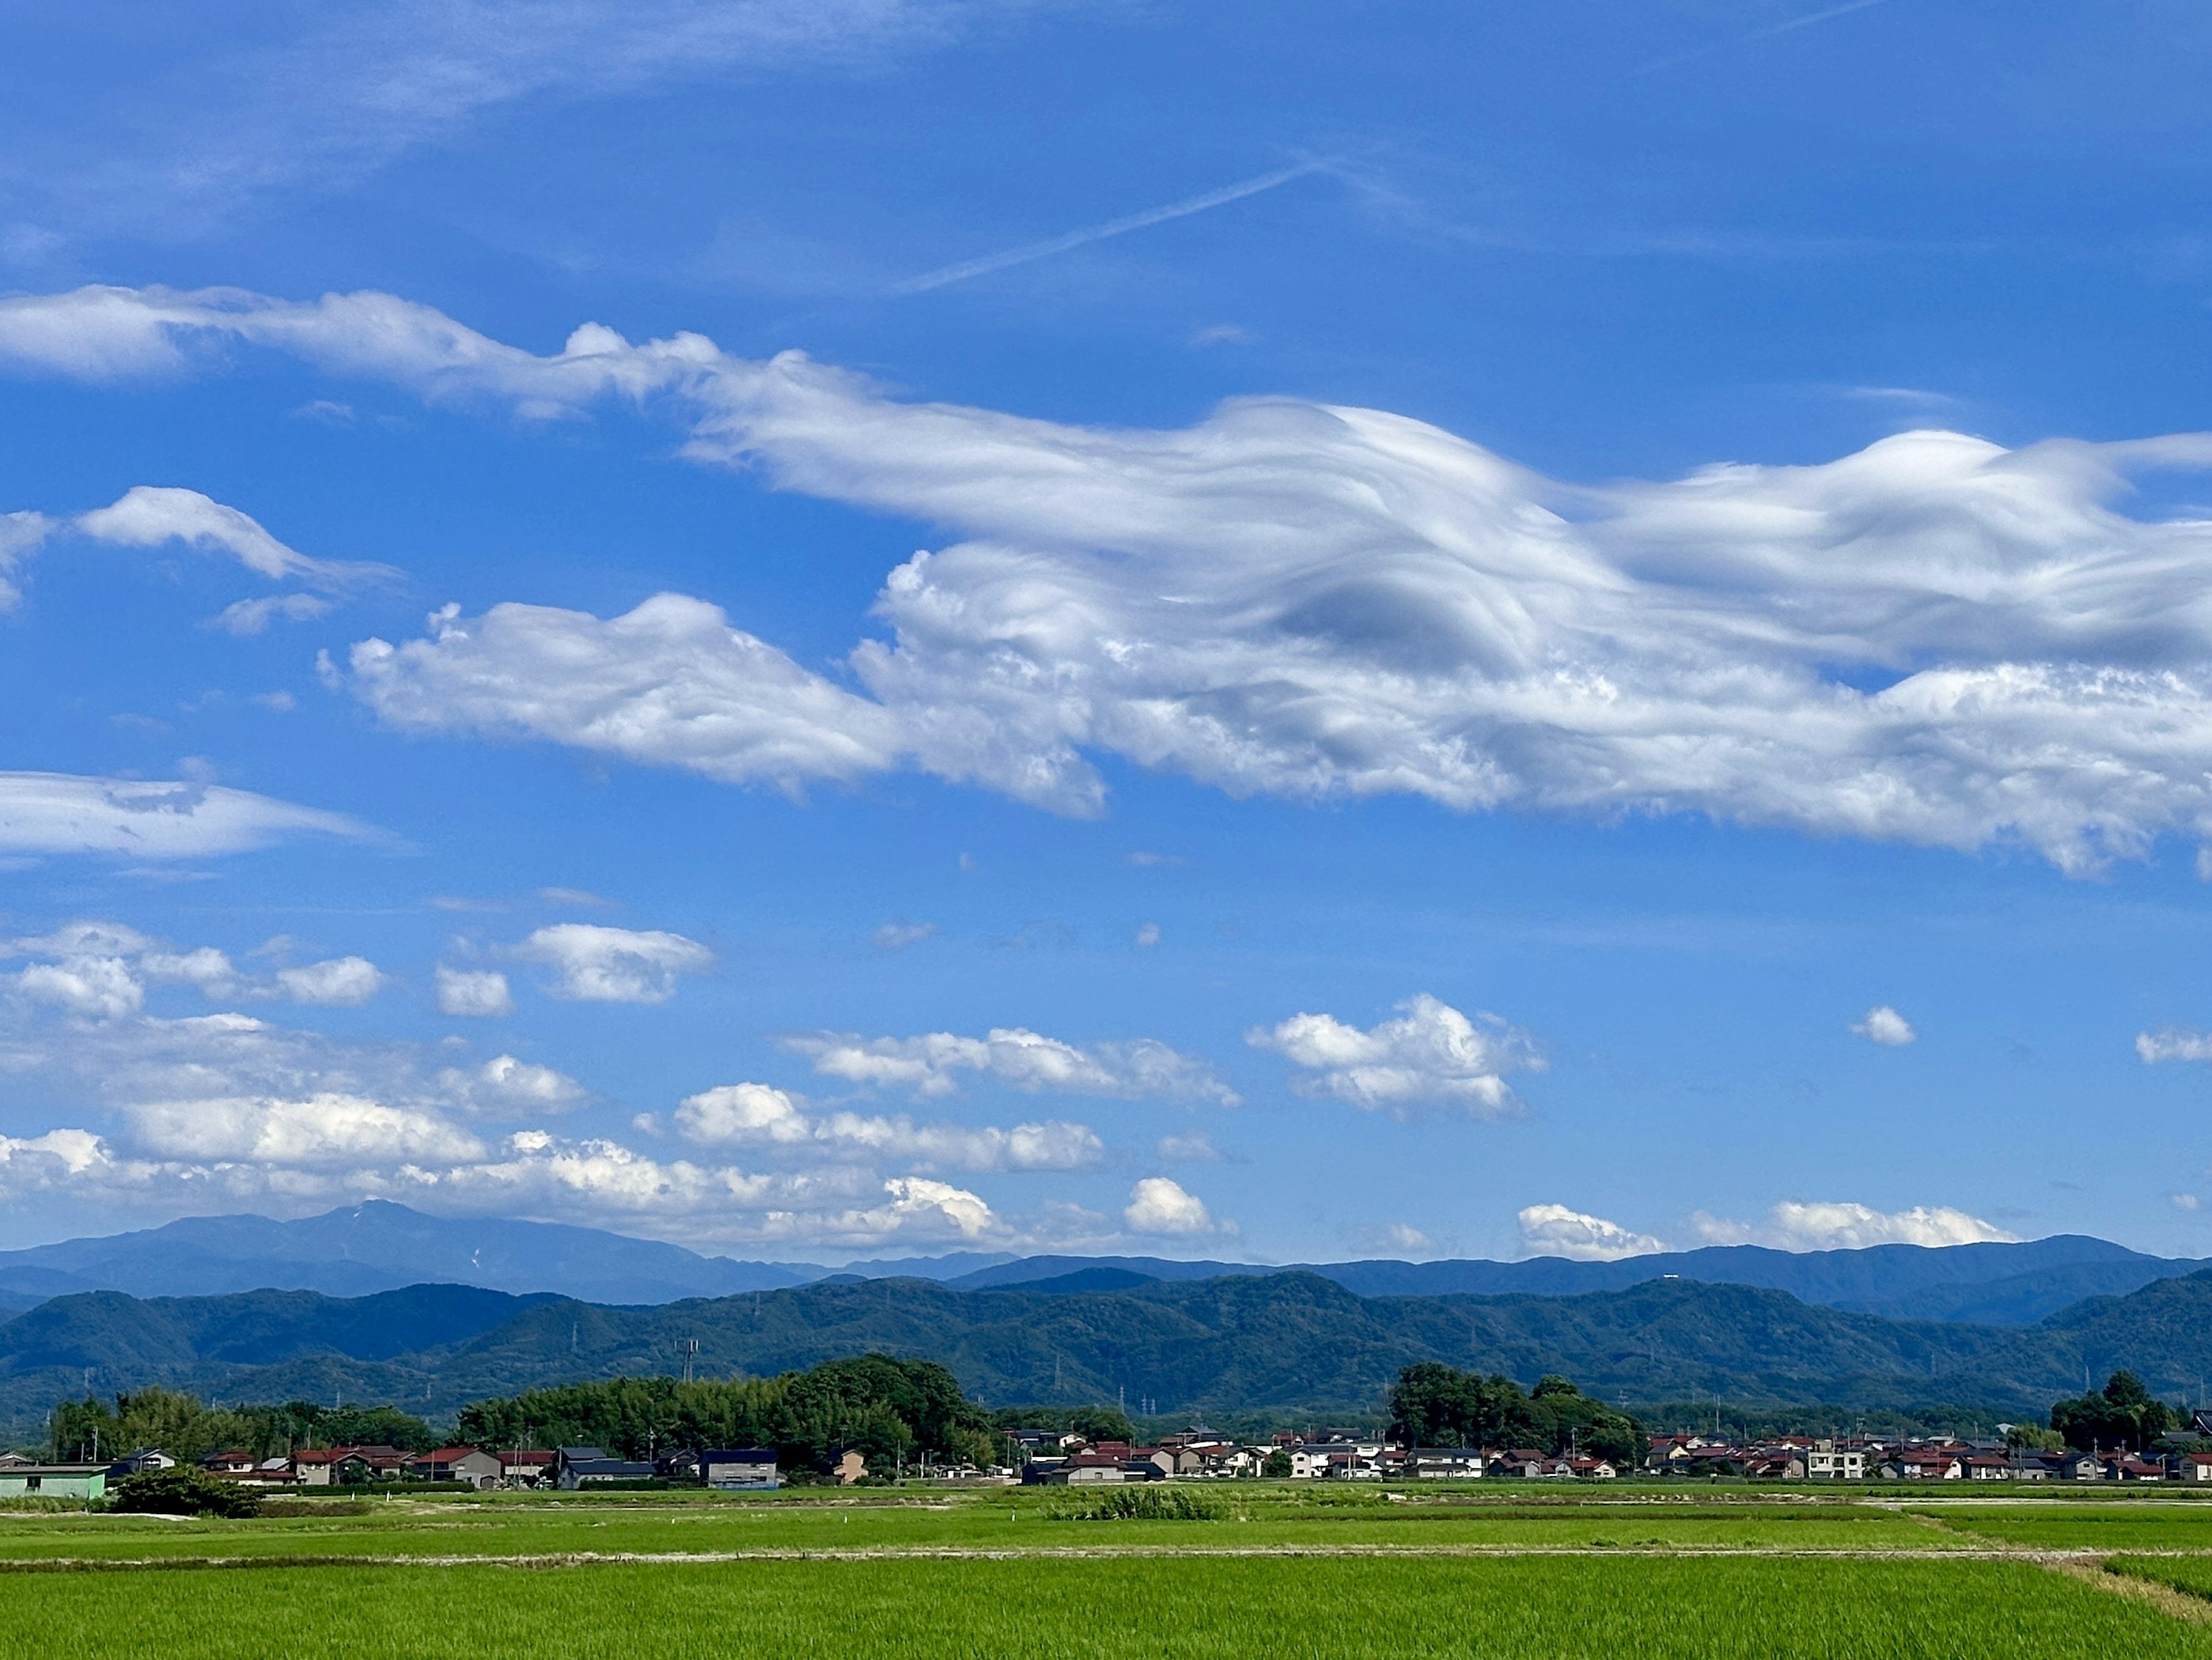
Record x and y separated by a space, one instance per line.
183 1491
1144 1503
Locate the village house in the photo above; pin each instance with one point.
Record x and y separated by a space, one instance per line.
471 1465
1831 1461
1444 1464
520 1467
586 1467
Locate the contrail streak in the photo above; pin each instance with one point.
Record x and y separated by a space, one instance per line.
1766 33
1076 239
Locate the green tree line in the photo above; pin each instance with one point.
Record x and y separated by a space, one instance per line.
184 1427
891 1411
1433 1405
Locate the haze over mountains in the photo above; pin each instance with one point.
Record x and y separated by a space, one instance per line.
378 1246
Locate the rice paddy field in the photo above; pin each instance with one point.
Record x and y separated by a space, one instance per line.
1274 1570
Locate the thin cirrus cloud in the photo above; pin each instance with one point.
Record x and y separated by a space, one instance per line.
1431 1055
59 814
1559 1230
1832 1225
761 1115
934 1064
248 104
1935 641
591 964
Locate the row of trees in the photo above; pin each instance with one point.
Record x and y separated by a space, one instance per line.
1433 1405
891 1411
184 1427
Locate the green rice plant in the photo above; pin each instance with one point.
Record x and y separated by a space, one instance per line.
1228 1608
1144 1503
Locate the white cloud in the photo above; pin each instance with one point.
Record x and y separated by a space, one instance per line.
2173 1043
1556 1231
1885 1025
1194 1148
250 103
1160 1206
504 1084
473 993
204 966
59 813
250 617
671 683
1401 1236
2182 1200
320 1129
148 515
1432 1054
897 936
95 988
595 964
1015 1057
757 1114
340 982
1149 934
1832 1225
1318 601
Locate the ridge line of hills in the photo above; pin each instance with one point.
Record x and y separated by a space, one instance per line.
378 1246
1281 1342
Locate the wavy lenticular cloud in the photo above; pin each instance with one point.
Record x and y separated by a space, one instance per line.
58 813
1936 639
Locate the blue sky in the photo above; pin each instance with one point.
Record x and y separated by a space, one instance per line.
1359 630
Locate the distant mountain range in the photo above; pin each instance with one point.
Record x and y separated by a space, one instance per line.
1239 1342
379 1246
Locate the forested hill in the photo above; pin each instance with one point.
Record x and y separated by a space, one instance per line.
1291 1341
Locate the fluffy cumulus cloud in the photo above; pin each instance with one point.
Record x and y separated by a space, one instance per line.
228 1109
101 970
1885 1025
758 1115
1431 1055
473 993
1160 1206
1936 639
934 1063
595 964
1834 1225
46 813
1557 1230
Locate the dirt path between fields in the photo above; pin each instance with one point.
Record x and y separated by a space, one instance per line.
2088 1562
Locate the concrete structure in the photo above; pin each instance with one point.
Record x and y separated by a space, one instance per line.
731 1469
24 1481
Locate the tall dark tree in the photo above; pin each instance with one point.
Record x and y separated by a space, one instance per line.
2123 1414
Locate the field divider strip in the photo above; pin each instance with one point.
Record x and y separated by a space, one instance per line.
2058 1560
